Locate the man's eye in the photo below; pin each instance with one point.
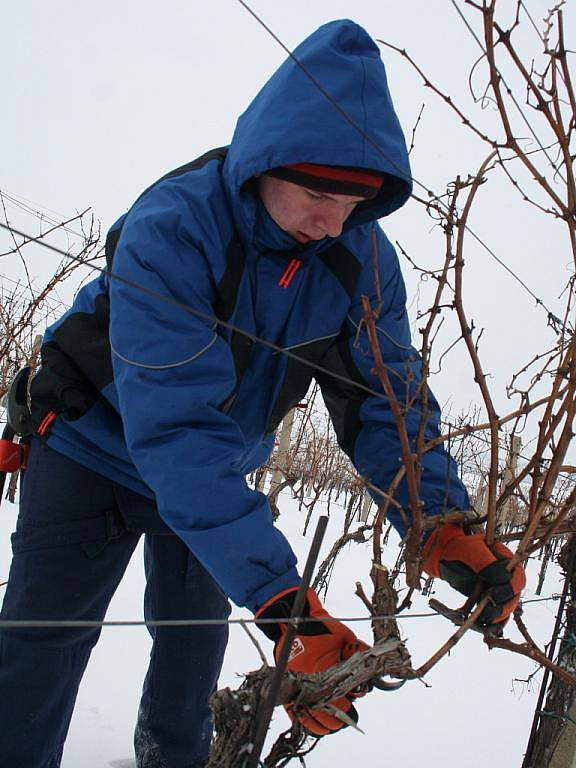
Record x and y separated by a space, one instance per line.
314 195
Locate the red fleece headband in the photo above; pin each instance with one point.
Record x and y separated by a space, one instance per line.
333 179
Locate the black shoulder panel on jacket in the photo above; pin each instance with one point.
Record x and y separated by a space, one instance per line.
226 298
110 245
227 288
194 165
344 265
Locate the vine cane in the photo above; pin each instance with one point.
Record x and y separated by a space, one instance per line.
264 715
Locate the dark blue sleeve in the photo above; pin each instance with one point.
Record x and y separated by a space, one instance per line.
172 370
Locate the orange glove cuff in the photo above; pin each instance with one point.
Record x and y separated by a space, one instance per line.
434 548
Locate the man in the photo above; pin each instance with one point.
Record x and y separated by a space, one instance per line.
154 401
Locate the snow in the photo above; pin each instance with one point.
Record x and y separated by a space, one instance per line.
474 712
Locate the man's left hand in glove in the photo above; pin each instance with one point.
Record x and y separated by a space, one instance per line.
318 645
461 560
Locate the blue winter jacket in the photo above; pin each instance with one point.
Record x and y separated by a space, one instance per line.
145 379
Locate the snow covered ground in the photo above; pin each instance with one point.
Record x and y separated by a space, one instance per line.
473 713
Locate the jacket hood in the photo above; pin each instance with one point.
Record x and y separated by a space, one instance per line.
328 104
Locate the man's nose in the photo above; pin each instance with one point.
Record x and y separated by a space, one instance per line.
331 219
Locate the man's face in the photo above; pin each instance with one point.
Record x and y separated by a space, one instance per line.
304 214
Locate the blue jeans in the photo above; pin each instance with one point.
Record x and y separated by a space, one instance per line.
76 533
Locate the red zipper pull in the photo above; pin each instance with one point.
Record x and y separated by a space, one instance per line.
289 273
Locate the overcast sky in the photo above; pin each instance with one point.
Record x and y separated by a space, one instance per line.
100 99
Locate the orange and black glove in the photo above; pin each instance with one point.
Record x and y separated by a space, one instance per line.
317 646
462 559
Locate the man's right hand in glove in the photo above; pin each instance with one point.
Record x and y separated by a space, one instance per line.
318 645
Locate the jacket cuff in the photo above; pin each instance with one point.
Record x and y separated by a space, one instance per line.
259 597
